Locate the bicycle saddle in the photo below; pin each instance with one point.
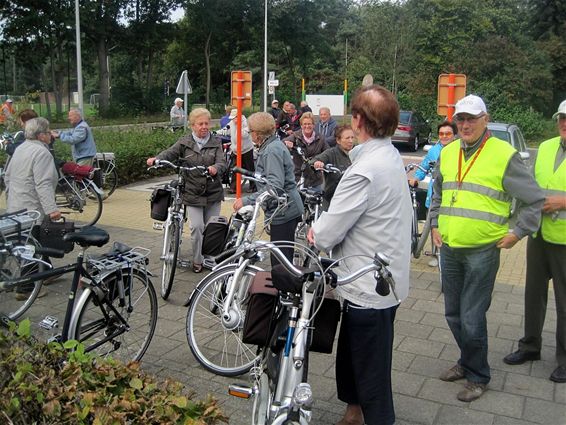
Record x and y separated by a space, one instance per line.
88 236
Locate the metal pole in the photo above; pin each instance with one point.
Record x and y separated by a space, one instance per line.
4 65
79 63
264 60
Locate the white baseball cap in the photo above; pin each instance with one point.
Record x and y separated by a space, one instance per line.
9 101
471 104
275 101
561 110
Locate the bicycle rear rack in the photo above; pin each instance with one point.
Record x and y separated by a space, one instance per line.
136 255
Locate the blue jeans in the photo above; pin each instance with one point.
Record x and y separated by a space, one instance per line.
468 276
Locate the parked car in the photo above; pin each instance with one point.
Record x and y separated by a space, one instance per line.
512 134
413 130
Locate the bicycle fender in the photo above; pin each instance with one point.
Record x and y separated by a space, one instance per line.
76 311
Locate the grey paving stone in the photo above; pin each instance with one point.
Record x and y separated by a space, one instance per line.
503 318
415 410
424 294
442 335
435 319
428 366
402 361
544 412
506 420
500 403
408 315
406 383
429 306
510 332
439 391
560 393
543 369
412 329
421 347
451 415
529 386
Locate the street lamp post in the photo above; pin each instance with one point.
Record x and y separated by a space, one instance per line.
265 58
79 62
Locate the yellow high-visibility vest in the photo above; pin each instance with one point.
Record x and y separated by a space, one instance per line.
552 182
477 212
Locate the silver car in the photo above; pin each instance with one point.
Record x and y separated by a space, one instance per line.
512 134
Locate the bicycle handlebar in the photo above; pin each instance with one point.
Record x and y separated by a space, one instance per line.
160 163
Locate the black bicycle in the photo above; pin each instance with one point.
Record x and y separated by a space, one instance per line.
112 306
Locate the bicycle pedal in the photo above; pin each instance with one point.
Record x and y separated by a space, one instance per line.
49 322
184 264
240 391
54 338
157 226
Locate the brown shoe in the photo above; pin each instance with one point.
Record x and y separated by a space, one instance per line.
455 373
472 391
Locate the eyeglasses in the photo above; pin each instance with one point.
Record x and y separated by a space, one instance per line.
445 133
470 118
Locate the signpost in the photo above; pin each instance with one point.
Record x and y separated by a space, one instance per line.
246 80
184 88
272 83
451 88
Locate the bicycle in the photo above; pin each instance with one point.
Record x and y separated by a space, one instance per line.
217 306
173 225
79 198
280 389
15 236
312 201
116 312
106 162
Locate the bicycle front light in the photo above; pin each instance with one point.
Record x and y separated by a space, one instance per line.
302 396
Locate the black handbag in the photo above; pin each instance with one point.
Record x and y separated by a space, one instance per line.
50 234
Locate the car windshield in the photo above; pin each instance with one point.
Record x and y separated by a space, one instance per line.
501 134
404 117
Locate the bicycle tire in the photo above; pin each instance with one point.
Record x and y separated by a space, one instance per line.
414 233
423 237
12 267
95 318
78 201
218 349
171 240
109 177
262 401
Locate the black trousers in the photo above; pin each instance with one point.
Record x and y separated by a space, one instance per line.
363 361
247 164
545 261
284 232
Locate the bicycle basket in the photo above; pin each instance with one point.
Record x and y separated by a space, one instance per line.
160 201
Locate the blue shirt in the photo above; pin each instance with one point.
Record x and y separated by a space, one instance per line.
432 155
81 140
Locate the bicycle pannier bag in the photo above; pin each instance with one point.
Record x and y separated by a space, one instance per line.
325 324
78 171
214 235
260 311
50 234
160 201
421 200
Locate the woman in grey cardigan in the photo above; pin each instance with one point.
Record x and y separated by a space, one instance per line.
275 163
201 195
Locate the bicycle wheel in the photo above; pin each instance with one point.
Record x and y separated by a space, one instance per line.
217 344
171 241
98 319
262 401
15 301
109 177
423 237
78 201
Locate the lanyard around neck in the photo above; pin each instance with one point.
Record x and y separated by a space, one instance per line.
461 177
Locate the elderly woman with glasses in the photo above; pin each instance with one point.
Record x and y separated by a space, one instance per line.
311 145
202 195
274 162
31 176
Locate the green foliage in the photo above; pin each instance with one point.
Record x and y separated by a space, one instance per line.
51 384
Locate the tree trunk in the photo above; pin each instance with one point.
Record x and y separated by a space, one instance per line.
207 58
47 105
103 72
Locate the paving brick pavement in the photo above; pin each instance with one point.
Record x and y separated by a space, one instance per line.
423 343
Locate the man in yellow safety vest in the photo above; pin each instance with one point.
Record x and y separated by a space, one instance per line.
546 254
475 181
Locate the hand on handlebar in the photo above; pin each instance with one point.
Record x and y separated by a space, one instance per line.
150 161
413 182
318 165
212 170
238 203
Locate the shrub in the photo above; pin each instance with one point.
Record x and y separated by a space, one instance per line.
50 383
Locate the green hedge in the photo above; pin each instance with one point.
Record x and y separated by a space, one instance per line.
54 384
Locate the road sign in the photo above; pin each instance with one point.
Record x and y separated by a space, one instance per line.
184 87
451 88
271 89
368 80
272 83
247 88
271 76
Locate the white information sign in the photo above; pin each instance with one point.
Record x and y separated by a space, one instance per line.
334 102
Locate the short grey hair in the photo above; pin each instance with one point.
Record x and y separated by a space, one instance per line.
77 111
35 127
